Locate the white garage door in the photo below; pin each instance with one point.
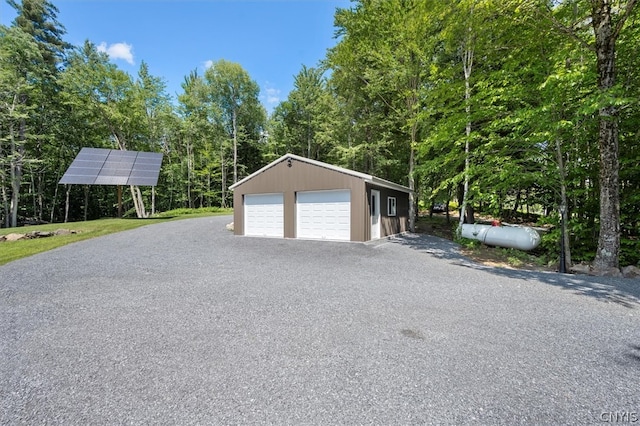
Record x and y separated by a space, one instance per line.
324 215
264 215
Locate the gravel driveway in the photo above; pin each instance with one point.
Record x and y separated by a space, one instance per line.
183 323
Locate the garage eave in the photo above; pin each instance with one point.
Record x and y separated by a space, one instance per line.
386 184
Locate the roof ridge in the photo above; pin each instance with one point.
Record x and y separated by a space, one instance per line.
364 176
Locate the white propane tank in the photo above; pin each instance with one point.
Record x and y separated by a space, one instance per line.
517 237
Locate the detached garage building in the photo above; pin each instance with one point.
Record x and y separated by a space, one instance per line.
295 197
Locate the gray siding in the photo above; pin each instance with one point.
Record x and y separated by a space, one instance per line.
389 225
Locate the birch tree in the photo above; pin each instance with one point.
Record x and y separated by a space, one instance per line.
467 52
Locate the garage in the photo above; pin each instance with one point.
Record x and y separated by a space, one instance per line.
297 197
264 215
323 215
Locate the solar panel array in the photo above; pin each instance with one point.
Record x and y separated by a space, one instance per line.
97 166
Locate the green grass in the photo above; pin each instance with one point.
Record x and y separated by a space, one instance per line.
13 250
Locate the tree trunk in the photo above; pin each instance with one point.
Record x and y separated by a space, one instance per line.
469 216
143 211
16 173
132 189
308 136
412 180
235 146
5 203
138 202
412 195
446 206
34 193
66 203
86 201
467 64
189 174
17 151
412 107
564 206
606 34
516 204
223 177
40 192
119 201
136 195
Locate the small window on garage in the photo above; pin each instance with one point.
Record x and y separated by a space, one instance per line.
391 206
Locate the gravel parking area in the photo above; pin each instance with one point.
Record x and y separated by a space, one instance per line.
183 323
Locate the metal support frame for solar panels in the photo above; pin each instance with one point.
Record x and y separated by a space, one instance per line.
99 166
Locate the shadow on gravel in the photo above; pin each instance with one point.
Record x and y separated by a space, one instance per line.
634 354
623 291
438 247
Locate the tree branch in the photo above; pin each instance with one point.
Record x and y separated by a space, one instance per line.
623 18
570 31
379 95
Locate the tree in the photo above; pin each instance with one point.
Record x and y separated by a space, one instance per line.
236 95
467 49
628 78
158 114
607 26
152 97
365 120
115 102
304 123
39 19
19 81
607 19
381 68
204 143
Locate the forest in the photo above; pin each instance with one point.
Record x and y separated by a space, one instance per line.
513 109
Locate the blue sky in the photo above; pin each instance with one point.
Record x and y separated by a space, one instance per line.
271 39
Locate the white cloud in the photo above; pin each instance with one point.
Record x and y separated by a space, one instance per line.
117 51
272 96
208 64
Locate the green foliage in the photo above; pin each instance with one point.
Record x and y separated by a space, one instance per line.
391 98
304 124
379 72
38 18
234 95
467 243
518 258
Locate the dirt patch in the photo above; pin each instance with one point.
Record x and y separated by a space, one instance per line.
437 226
491 256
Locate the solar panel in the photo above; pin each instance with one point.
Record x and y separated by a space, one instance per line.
97 166
110 180
146 169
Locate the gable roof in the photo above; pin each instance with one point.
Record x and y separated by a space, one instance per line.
367 178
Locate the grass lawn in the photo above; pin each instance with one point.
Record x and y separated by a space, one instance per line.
13 250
